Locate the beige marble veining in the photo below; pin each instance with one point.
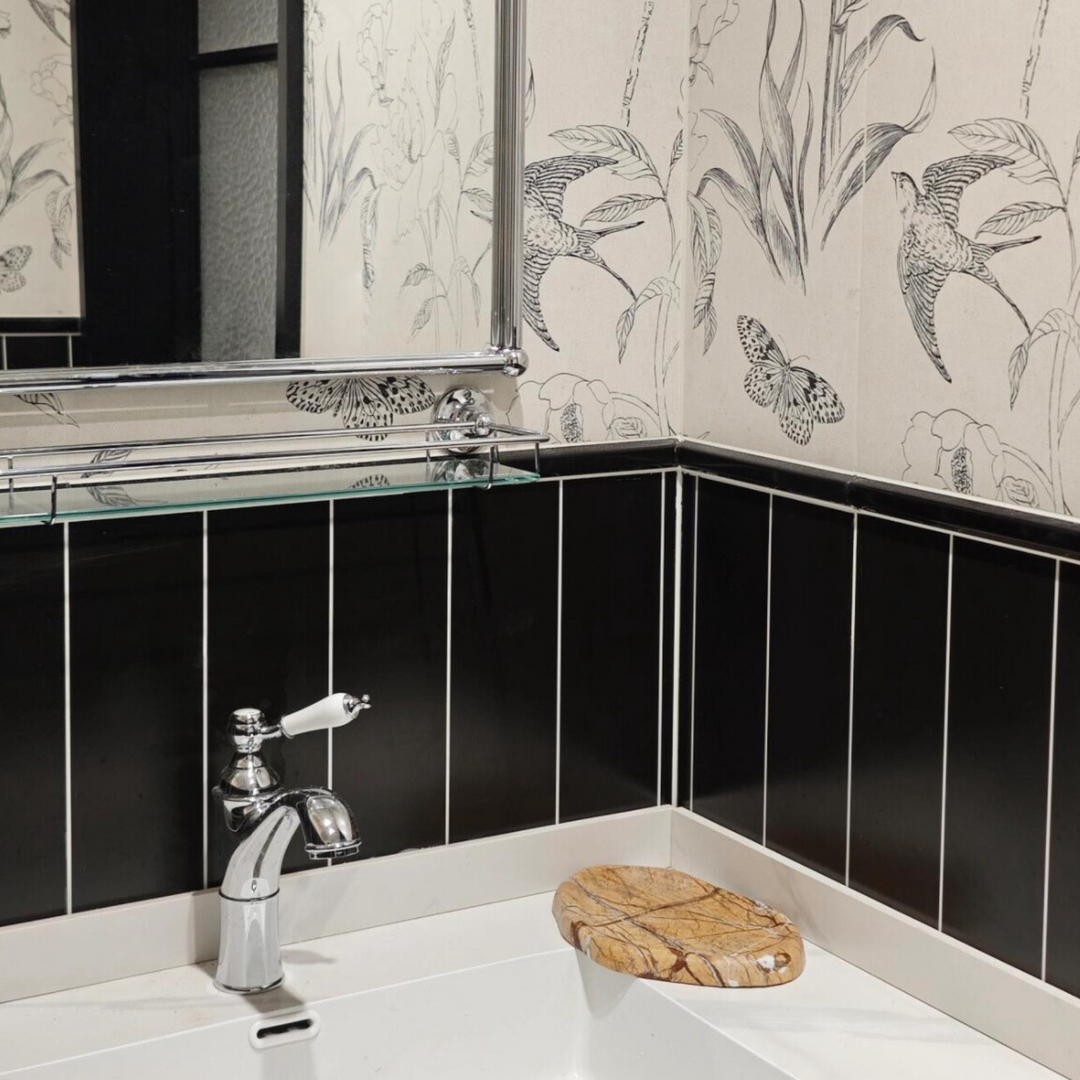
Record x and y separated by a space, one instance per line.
663 924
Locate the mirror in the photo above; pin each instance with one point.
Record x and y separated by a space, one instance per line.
229 180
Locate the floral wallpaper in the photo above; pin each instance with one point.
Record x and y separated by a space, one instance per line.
841 232
39 274
893 183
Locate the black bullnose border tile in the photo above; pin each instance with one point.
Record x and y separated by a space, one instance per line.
731 647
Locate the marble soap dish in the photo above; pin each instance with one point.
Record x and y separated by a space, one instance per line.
663 924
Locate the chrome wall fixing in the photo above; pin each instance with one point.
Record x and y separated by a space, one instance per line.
264 816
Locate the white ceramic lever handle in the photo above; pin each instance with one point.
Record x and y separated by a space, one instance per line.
331 712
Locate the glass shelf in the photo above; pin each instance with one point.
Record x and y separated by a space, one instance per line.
126 497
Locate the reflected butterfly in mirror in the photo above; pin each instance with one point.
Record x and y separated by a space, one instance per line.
796 394
11 263
370 401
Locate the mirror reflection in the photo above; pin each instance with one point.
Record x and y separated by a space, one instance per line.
244 179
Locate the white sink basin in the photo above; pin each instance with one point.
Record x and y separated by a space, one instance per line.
488 993
535 1018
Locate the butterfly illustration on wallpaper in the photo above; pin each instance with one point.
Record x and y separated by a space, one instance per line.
11 263
797 395
370 401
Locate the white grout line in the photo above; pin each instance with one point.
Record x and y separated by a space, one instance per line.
693 645
1050 767
945 738
330 659
3 350
69 868
558 663
660 638
449 641
617 473
851 695
71 350
676 643
768 658
205 697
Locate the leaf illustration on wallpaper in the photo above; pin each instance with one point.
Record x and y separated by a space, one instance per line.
932 248
50 405
797 395
625 155
371 401
768 188
16 179
56 15
404 174
548 237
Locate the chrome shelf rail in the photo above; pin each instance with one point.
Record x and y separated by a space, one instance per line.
217 373
186 459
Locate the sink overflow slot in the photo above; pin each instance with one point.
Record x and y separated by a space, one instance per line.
266 1034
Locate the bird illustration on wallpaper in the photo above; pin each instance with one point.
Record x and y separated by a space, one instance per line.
956 451
798 396
548 237
767 186
932 247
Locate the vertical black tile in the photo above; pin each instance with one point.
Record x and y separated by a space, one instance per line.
809 681
610 645
999 732
671 542
1062 940
34 881
390 642
503 669
690 495
732 616
901 620
136 708
37 351
268 643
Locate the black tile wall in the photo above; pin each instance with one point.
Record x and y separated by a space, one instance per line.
37 351
809 680
668 593
31 655
690 494
504 629
268 644
898 727
390 568
610 645
999 733
1062 940
136 708
730 646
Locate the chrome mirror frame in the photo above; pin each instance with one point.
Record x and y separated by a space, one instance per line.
505 354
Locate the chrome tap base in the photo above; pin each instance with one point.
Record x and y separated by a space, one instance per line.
249 957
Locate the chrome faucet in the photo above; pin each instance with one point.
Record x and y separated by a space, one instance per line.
264 816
